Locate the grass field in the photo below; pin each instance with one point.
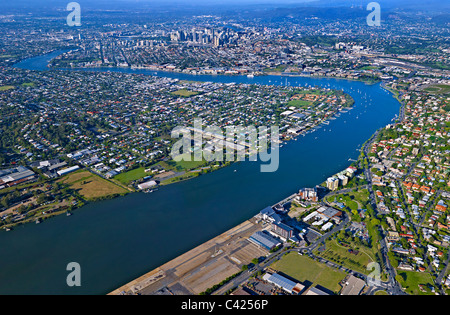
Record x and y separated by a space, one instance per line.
339 254
178 178
411 281
353 199
280 68
91 186
369 68
185 93
127 177
438 89
187 165
360 195
6 87
300 103
304 269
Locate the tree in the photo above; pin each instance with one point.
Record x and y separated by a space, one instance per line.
341 235
375 222
42 198
393 260
399 278
5 202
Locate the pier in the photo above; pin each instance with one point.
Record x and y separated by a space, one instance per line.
285 201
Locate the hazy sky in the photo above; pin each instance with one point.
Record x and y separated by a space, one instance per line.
405 4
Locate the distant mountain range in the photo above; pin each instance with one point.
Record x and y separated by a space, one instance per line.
401 4
429 5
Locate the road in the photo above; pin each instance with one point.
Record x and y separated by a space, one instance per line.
415 226
308 251
393 287
442 274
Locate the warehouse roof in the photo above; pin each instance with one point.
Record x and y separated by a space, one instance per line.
284 283
264 239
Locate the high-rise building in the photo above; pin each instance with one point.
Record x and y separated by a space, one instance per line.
308 194
282 230
343 180
333 183
350 171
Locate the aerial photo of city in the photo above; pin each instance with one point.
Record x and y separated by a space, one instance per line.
231 149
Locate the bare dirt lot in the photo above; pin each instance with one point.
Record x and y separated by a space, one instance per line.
203 266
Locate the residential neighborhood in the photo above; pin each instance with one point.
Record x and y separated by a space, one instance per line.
129 132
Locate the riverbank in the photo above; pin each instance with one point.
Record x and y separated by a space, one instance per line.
228 75
202 267
177 172
152 282
282 74
121 239
72 192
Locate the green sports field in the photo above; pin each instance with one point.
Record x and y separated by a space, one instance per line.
305 270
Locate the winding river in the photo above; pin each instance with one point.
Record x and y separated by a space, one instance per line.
118 240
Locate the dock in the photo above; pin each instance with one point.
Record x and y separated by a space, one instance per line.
285 201
200 268
203 266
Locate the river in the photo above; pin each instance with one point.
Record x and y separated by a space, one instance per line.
117 240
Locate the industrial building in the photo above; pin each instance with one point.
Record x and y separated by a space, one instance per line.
284 283
353 286
327 226
68 170
265 240
282 230
323 215
316 291
15 176
147 185
268 214
330 213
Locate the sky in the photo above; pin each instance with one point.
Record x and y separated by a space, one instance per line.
405 4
